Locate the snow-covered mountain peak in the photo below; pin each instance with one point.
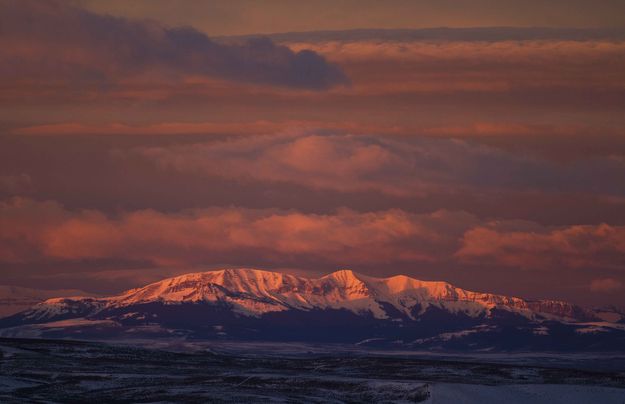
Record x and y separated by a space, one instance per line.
347 281
211 286
402 283
253 281
14 299
254 292
344 276
253 303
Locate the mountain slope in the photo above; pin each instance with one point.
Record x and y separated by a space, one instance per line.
340 307
14 299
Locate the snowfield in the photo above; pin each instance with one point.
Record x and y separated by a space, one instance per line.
445 393
56 371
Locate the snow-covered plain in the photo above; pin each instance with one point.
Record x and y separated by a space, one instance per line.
59 371
445 393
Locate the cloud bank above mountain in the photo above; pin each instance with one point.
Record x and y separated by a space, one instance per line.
33 231
491 157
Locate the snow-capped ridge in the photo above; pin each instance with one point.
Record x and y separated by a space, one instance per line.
254 292
14 299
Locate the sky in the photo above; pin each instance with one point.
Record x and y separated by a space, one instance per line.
226 17
477 142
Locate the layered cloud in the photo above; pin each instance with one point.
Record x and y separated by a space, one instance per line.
32 231
529 246
45 230
401 167
560 91
172 173
470 130
260 127
497 65
489 151
52 46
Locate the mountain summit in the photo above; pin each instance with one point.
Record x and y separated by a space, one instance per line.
343 306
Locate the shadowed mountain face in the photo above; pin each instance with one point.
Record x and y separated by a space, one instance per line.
248 304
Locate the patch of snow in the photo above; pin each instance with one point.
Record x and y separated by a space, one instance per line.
598 326
457 334
367 341
442 393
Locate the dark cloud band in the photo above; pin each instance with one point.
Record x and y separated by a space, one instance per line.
54 42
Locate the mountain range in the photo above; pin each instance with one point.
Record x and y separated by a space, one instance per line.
342 307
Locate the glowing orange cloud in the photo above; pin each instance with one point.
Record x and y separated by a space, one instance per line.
198 236
536 247
34 230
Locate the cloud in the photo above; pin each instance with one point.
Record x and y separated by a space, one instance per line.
541 85
22 221
50 44
605 285
31 231
110 173
338 162
516 129
527 73
444 34
263 127
19 184
44 243
394 166
531 246
260 127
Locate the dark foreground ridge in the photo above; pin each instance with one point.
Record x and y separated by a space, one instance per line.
73 371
